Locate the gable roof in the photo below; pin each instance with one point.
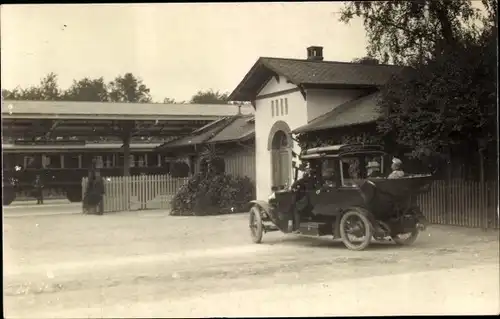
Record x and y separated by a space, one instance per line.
360 111
228 129
312 73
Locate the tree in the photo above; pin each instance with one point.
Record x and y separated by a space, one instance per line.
168 100
366 60
14 94
87 90
210 97
448 102
47 90
404 32
128 88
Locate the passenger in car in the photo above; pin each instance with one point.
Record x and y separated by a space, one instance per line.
373 169
397 171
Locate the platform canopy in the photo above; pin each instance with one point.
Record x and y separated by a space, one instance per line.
36 119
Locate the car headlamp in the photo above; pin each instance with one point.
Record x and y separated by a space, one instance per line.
272 196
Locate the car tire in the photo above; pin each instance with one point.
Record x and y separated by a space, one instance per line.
255 224
367 225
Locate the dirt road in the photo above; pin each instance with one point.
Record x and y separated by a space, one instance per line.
124 264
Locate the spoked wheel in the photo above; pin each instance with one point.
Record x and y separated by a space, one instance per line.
256 227
406 239
356 230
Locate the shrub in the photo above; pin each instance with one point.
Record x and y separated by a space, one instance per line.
212 192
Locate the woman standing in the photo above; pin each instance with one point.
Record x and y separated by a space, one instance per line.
93 199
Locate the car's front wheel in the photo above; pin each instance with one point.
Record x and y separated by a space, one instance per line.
256 226
356 230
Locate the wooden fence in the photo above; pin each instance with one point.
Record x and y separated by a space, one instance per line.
129 193
462 203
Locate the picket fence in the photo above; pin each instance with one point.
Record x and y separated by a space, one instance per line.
454 202
130 193
462 203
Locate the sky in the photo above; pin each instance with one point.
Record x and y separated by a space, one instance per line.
176 49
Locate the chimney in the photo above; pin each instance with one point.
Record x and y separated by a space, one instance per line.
315 53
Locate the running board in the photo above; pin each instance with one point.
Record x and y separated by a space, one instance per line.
315 229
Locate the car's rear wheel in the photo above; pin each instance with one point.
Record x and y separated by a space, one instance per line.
256 226
356 230
406 239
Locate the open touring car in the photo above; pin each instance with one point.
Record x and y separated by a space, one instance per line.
342 198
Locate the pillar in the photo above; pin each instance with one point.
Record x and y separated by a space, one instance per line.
126 154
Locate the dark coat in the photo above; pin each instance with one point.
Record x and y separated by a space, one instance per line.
94 192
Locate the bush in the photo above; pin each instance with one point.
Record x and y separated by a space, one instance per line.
212 192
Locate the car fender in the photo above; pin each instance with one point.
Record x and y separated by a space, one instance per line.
363 211
263 205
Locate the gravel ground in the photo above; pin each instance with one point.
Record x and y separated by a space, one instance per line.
67 265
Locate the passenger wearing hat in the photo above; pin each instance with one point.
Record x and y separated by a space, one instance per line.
373 169
397 172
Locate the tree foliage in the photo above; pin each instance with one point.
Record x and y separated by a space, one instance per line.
46 90
403 32
366 60
128 88
87 89
168 100
448 100
210 97
448 97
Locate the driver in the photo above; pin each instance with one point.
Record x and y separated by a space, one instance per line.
397 171
301 187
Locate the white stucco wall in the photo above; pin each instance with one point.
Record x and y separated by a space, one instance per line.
274 86
264 120
320 102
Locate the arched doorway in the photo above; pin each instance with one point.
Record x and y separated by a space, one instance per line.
281 159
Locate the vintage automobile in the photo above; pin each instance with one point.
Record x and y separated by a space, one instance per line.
344 201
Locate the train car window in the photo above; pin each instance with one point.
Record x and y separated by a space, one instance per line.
98 161
153 160
140 161
71 161
53 161
109 161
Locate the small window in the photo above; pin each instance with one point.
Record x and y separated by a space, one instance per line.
350 172
272 108
276 103
286 106
109 162
282 107
328 172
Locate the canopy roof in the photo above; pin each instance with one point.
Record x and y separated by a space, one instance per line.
31 119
